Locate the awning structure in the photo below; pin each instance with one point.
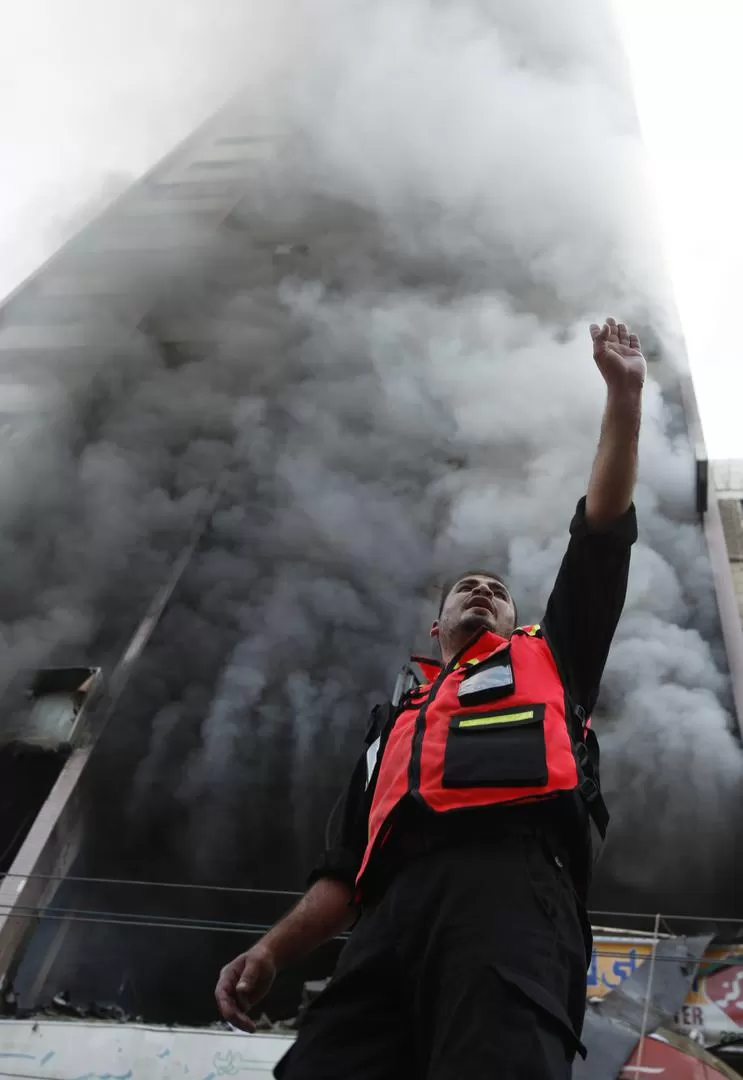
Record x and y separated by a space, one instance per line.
626 1031
674 1057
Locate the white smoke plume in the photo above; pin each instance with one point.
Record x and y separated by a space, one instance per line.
484 144
414 391
93 93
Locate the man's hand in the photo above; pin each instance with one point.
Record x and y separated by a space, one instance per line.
243 983
619 359
618 356
324 911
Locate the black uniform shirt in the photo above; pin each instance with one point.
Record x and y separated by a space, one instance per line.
579 623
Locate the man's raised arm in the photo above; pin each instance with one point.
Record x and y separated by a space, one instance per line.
588 596
620 360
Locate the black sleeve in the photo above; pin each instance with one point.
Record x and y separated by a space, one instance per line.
348 827
349 823
587 600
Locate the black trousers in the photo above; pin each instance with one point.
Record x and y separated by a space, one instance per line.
472 966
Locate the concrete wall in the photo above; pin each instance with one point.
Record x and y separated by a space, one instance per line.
90 1050
728 487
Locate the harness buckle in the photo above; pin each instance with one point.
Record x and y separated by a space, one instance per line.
589 790
581 754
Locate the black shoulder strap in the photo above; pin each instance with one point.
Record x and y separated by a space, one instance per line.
383 717
406 681
588 779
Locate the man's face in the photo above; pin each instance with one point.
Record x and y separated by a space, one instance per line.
474 602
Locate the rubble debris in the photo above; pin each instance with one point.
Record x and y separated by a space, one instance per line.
8 1002
267 1026
60 1007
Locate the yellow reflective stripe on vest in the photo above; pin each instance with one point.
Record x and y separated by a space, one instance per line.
466 663
486 721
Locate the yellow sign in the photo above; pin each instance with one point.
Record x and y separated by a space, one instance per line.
616 958
613 961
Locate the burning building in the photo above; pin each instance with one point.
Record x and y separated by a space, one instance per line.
328 350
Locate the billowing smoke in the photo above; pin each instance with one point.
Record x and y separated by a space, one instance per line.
383 360
497 150
96 93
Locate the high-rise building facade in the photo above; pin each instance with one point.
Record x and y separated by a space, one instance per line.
728 489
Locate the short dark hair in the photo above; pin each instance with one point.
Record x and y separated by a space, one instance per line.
447 587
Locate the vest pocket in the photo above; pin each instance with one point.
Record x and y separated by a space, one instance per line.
496 748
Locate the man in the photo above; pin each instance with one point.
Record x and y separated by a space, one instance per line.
465 845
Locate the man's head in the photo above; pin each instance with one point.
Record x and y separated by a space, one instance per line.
476 600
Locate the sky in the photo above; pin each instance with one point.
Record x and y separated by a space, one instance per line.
685 62
92 94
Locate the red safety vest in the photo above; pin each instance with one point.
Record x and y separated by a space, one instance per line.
479 733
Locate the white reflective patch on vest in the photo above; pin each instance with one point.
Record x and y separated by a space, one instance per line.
371 759
491 678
